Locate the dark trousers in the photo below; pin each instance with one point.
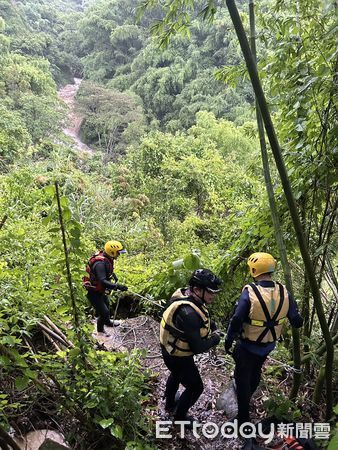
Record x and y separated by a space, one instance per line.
247 376
101 304
183 370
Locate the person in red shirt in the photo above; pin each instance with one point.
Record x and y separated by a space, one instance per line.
100 271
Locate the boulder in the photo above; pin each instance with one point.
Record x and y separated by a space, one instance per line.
36 440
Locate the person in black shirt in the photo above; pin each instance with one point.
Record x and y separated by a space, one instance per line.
186 330
101 269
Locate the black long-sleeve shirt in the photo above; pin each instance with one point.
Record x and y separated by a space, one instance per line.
190 322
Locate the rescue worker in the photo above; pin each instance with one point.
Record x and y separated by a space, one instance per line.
100 270
260 313
186 330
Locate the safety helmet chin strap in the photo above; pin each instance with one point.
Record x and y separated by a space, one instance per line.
203 296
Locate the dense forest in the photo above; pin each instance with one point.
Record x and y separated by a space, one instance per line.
178 170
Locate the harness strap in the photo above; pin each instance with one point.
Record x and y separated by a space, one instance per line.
174 331
176 347
271 322
281 301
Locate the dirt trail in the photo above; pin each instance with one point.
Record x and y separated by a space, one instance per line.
67 94
142 332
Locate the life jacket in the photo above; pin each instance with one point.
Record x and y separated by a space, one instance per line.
89 282
172 338
268 311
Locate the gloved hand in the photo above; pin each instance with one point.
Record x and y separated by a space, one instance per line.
227 345
121 287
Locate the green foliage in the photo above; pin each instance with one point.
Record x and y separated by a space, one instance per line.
110 391
282 408
173 84
14 137
112 119
301 53
29 111
40 29
176 275
104 387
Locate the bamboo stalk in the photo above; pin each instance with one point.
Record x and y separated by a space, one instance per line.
31 349
69 279
7 439
297 376
51 340
320 350
69 276
52 334
58 331
274 144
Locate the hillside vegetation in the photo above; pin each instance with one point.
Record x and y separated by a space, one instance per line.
176 175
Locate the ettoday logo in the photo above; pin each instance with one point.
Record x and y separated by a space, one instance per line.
247 430
211 430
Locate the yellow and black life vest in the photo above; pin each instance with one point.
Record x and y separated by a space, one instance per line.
268 311
172 338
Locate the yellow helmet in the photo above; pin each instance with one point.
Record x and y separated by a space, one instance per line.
114 248
261 263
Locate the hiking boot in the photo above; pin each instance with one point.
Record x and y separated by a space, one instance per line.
171 407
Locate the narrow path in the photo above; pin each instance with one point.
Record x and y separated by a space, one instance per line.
143 332
67 94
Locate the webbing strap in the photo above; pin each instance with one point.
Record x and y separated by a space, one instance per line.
176 347
270 320
174 331
266 313
281 301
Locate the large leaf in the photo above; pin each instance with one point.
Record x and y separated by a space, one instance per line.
105 423
192 262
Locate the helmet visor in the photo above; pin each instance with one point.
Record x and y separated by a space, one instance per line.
122 251
212 291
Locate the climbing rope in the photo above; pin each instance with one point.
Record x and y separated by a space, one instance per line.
212 359
286 366
147 299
